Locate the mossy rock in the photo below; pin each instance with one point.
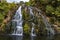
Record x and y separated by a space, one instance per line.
26 28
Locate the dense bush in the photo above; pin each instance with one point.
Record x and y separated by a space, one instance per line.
5 8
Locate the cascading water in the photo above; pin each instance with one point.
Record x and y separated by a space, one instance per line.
19 29
50 30
18 19
32 30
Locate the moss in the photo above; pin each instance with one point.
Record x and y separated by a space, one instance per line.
26 28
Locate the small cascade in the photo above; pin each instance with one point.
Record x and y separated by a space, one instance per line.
31 14
18 19
32 30
50 30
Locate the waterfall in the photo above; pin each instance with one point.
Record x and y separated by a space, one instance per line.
18 19
50 30
32 30
18 23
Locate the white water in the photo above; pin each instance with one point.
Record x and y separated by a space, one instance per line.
19 29
18 19
32 30
50 30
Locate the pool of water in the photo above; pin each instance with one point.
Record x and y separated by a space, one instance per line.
5 37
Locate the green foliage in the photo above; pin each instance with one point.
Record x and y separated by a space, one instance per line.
49 9
27 28
52 10
21 2
1 16
45 1
4 9
57 13
27 3
58 0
